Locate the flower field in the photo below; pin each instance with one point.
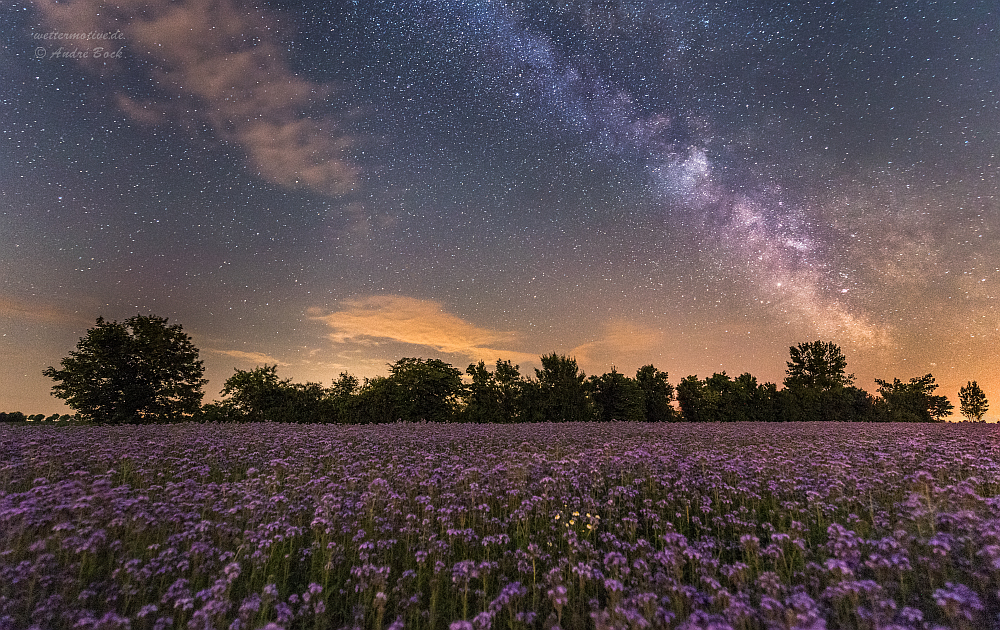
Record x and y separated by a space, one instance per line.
466 527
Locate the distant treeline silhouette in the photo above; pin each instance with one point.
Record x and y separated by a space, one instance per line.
431 390
143 370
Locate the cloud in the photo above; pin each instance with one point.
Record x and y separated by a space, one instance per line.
622 340
251 357
37 311
376 319
219 63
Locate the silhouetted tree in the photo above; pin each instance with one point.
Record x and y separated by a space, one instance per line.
837 404
617 397
140 370
254 395
913 401
940 407
345 385
725 398
851 404
698 401
720 398
494 396
308 402
799 404
427 389
343 398
415 390
972 402
259 395
532 402
768 406
747 401
817 365
691 399
818 388
561 395
657 394
510 386
376 401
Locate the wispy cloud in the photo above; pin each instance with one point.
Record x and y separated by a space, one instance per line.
220 63
378 319
620 340
37 311
250 357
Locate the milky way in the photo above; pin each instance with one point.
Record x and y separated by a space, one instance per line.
332 186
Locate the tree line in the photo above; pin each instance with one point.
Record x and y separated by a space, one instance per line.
144 370
430 390
18 416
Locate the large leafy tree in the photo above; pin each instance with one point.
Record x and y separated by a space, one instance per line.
427 389
255 394
375 401
838 404
258 395
617 397
817 386
720 398
709 400
817 365
415 390
139 370
494 396
561 392
343 398
691 398
972 402
913 401
657 394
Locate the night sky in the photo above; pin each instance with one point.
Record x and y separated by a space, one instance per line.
331 186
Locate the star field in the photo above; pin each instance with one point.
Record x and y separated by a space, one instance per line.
332 186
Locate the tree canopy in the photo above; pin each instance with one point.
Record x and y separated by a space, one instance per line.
657 394
817 365
494 396
913 401
139 370
617 397
415 390
972 402
561 392
259 395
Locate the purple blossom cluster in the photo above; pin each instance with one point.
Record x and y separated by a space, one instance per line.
618 525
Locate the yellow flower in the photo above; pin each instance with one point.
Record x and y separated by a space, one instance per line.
557 517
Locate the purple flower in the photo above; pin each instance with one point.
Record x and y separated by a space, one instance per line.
958 601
